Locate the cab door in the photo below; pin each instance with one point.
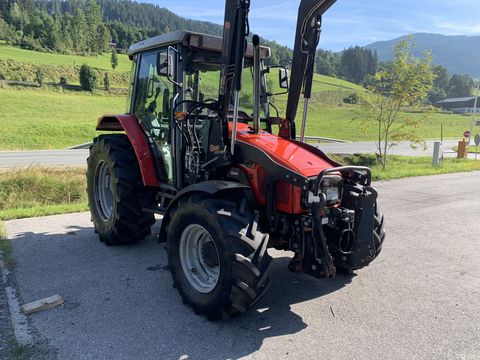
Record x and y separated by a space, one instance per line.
152 97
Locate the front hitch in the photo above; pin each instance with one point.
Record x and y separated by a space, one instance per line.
313 256
312 253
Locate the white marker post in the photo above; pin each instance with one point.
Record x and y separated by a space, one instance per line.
477 142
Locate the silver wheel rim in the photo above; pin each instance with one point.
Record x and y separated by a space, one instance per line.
199 258
103 191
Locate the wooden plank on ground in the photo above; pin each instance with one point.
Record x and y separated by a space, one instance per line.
43 304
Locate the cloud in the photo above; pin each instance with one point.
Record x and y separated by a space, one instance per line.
459 28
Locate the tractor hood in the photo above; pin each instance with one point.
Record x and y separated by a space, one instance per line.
306 40
285 153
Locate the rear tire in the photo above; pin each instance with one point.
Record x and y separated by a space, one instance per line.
116 194
239 263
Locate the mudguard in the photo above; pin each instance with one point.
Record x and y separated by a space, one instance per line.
207 187
138 139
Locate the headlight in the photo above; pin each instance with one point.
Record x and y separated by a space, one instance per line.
332 188
332 194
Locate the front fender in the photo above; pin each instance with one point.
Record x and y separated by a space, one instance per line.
207 187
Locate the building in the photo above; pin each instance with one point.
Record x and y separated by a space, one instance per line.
463 105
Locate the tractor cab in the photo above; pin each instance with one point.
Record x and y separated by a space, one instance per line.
173 71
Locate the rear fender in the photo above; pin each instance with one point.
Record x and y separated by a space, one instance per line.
208 187
138 139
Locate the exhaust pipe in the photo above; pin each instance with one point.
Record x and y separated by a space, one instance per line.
346 242
256 82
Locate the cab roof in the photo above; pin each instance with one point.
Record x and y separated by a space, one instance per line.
190 39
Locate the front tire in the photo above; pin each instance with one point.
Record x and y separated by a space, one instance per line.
217 257
116 195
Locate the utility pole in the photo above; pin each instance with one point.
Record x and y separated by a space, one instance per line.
474 113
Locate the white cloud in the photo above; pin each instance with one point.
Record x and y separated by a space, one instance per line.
459 28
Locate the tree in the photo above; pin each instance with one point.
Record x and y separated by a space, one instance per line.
357 63
327 63
114 59
440 85
460 86
88 78
103 37
402 85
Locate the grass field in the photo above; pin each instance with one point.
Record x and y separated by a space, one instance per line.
42 119
42 58
41 191
45 119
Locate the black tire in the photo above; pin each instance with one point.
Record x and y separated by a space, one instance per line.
127 223
379 232
241 249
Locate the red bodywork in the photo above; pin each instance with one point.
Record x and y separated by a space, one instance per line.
287 154
137 138
283 152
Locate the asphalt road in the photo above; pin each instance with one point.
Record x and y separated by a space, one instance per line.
419 300
9 159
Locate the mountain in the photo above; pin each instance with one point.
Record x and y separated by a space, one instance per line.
459 54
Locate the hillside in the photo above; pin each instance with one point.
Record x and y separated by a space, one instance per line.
459 54
101 62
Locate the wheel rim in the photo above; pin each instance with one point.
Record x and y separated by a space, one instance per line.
103 191
199 258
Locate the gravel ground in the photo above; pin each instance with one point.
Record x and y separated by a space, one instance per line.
419 300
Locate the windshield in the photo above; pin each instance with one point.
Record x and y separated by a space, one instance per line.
203 85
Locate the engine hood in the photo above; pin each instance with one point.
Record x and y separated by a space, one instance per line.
284 152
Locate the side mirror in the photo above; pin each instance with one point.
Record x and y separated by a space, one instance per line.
165 65
283 78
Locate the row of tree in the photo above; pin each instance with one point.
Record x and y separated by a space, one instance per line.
450 86
355 64
359 65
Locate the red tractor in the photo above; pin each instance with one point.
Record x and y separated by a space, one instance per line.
230 179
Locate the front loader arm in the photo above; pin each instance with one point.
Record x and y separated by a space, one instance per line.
235 31
306 40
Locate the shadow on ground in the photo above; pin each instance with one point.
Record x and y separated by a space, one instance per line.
119 302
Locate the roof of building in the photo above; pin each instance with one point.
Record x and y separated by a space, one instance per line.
192 39
455 100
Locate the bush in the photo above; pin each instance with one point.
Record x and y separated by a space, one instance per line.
88 78
40 76
106 82
351 99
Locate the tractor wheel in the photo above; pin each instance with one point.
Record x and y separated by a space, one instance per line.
115 192
379 231
217 256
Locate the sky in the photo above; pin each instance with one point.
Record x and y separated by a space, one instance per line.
348 22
